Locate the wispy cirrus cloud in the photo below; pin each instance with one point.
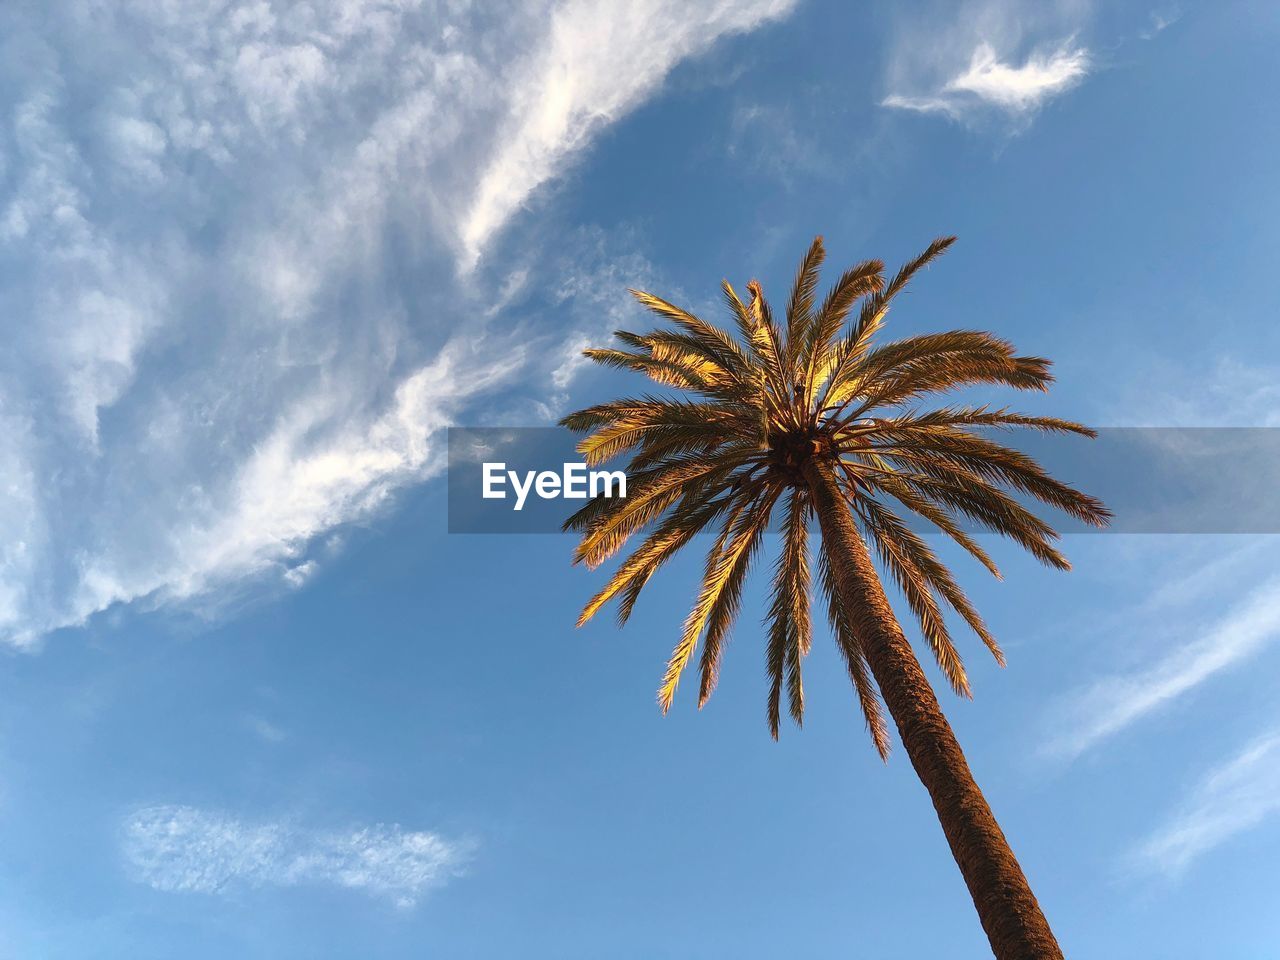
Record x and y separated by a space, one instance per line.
989 60
600 59
246 244
1206 609
1160 20
1238 795
1115 702
183 849
595 276
1226 391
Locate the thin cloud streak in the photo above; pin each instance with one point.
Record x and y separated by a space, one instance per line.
183 849
1237 796
1114 703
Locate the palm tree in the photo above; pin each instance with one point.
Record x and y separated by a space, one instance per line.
813 419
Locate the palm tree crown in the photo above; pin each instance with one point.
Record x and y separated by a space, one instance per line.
760 405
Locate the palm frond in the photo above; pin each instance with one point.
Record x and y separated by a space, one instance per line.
800 304
850 646
727 564
790 626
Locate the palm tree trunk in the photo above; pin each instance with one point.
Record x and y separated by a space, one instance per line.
1006 906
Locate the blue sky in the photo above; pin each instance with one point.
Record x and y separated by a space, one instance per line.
255 257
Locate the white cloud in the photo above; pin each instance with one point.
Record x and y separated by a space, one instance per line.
776 141
233 233
184 849
1115 702
1227 392
601 58
1042 76
138 145
986 60
989 81
593 289
1231 799
264 729
296 576
291 487
1160 20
